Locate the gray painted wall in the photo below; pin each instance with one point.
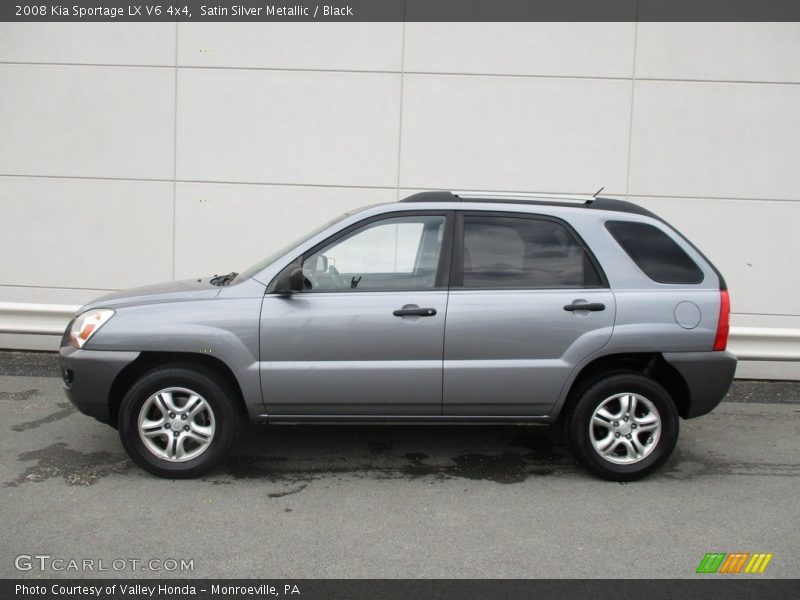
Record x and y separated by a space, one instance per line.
136 152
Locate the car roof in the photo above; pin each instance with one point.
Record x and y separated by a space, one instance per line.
572 201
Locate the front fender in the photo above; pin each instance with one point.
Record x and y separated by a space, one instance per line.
225 328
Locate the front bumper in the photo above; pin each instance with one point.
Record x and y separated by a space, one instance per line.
707 374
88 376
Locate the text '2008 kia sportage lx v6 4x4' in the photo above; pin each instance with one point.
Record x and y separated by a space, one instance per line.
444 307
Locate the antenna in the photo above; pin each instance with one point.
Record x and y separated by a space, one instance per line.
598 191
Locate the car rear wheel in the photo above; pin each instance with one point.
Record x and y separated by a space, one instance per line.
177 422
623 427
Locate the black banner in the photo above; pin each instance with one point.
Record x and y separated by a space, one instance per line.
735 588
399 10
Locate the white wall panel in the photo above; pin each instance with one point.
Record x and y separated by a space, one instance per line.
324 110
558 49
90 43
719 51
288 127
223 228
79 121
79 233
343 46
514 133
716 140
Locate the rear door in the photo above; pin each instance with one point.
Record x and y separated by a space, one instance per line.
527 303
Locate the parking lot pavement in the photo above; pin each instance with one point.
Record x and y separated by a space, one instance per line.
396 501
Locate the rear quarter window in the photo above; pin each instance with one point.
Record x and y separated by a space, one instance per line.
655 253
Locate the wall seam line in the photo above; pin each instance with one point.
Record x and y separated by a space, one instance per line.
421 73
393 187
400 119
633 99
175 156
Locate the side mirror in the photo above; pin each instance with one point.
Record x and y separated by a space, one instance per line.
290 280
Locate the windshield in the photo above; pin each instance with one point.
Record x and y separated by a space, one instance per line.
268 260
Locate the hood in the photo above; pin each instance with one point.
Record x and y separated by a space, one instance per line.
170 291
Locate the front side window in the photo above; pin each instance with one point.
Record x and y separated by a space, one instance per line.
518 252
400 253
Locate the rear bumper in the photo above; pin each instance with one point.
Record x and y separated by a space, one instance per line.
707 374
88 376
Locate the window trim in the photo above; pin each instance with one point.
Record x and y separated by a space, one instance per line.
457 263
443 269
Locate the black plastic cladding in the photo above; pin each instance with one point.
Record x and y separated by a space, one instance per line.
599 203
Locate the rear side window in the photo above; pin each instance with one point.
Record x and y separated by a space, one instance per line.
655 253
511 252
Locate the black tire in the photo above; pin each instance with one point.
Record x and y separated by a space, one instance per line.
224 414
588 399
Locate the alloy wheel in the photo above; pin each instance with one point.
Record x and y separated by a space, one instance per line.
625 428
176 424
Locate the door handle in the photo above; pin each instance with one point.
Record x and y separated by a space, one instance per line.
593 306
414 312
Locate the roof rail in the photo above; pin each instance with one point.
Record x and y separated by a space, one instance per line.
517 197
571 200
508 197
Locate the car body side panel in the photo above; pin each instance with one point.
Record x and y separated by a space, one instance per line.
225 328
646 322
346 353
509 352
666 320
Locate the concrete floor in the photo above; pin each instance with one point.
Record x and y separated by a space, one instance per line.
396 501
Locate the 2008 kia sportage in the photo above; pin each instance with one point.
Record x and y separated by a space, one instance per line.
444 307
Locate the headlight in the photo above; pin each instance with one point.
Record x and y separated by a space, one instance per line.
85 325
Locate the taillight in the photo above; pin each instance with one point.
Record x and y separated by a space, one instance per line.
723 325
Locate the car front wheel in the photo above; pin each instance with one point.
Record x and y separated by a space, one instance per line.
623 427
177 422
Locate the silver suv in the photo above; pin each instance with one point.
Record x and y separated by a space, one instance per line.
444 307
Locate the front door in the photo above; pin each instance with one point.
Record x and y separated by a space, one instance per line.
366 336
527 303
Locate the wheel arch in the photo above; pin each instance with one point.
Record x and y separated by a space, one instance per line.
147 361
649 364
